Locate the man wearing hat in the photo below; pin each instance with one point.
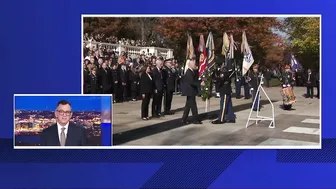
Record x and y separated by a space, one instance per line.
255 81
169 80
226 114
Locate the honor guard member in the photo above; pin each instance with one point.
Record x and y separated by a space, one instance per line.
170 78
255 81
215 77
238 81
226 114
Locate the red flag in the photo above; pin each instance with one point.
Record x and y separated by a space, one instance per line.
203 56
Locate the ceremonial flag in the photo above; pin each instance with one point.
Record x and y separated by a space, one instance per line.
203 57
210 46
232 47
294 63
226 44
190 52
248 58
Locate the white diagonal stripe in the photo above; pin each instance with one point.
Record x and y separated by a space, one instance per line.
285 142
303 130
314 121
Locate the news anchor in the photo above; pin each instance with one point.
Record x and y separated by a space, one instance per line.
64 133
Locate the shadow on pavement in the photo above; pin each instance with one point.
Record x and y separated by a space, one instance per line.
134 134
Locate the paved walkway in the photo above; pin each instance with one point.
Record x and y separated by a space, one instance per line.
297 127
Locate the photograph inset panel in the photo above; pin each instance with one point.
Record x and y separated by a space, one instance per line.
44 121
249 81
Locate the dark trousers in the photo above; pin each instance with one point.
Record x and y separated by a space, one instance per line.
267 82
106 90
310 92
318 90
226 108
144 105
168 100
157 103
256 98
178 85
181 86
217 87
246 90
238 88
116 92
190 104
124 92
134 94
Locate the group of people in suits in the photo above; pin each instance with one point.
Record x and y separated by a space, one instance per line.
120 76
157 83
112 76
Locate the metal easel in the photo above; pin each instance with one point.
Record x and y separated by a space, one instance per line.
258 117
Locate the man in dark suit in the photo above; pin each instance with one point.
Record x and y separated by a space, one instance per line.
170 78
255 81
310 83
64 133
104 79
158 88
191 86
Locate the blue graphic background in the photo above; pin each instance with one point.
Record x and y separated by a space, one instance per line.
78 103
41 53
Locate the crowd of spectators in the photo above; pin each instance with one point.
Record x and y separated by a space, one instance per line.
102 38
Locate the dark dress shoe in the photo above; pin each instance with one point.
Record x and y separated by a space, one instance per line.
217 122
197 122
169 113
160 115
185 122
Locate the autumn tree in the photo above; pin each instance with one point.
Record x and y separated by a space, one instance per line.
172 32
127 27
107 26
259 32
304 35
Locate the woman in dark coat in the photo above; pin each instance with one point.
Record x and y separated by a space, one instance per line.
92 80
146 90
134 81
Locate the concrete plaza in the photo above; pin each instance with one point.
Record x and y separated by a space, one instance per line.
297 127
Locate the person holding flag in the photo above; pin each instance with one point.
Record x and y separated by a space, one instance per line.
226 114
247 63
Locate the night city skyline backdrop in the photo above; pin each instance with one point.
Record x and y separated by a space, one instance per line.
78 103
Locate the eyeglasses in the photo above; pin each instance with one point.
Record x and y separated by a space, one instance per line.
67 113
